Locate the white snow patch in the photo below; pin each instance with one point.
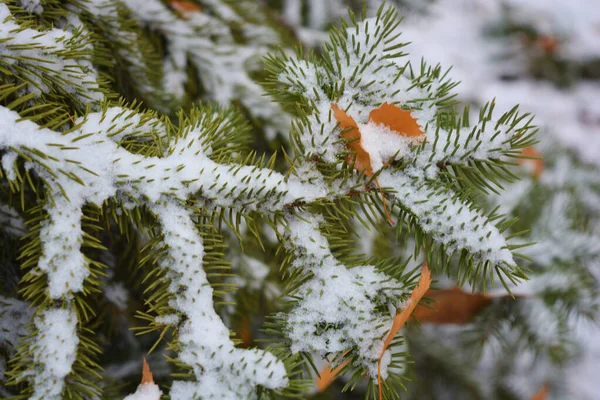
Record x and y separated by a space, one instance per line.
55 352
145 391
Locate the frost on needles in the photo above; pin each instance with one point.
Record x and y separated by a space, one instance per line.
173 178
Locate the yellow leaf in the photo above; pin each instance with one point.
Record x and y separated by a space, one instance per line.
328 375
351 133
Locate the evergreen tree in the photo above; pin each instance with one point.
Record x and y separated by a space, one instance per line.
256 222
543 55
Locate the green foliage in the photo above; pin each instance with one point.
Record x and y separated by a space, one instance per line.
264 233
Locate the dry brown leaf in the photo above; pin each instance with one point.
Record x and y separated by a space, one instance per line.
542 393
402 316
397 119
351 132
183 8
146 373
328 375
548 44
537 162
452 306
245 332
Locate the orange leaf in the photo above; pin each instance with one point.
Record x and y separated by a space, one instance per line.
452 306
548 44
542 393
352 133
397 119
146 373
402 316
245 332
538 162
183 7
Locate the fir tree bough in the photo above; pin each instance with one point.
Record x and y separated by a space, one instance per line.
79 164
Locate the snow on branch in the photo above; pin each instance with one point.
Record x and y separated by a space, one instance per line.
62 260
338 308
206 42
88 164
48 60
222 371
355 97
558 240
92 167
358 74
54 352
488 141
359 84
452 222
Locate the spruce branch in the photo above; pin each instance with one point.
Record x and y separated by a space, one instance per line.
340 312
357 73
62 159
456 225
42 62
221 63
179 180
220 369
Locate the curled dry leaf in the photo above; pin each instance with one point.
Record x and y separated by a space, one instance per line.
184 8
402 316
548 44
397 120
351 133
246 332
452 306
147 389
393 117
